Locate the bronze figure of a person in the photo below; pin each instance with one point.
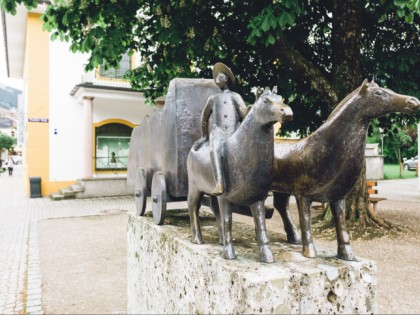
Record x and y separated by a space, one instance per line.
228 109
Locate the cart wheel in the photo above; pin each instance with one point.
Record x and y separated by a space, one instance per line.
158 198
141 192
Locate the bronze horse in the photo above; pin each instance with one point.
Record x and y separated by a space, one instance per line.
248 161
326 165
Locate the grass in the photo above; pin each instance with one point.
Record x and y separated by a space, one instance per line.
392 171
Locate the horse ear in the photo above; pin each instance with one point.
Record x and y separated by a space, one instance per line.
363 87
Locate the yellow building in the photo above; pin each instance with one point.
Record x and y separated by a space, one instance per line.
77 124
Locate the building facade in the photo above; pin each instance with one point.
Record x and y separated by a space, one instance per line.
77 125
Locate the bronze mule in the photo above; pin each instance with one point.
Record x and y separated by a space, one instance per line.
326 165
248 160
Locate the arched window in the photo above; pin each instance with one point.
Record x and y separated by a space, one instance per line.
112 142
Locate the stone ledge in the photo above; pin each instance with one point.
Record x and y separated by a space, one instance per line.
104 187
169 274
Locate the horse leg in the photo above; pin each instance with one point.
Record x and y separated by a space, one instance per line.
194 203
226 216
281 203
258 212
214 205
344 250
304 206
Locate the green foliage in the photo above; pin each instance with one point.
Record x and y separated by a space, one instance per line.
11 5
398 139
6 142
267 26
185 38
392 171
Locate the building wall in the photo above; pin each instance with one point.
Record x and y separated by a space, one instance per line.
37 101
54 147
66 123
131 111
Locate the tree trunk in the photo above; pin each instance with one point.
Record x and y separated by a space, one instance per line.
398 151
345 42
357 202
347 77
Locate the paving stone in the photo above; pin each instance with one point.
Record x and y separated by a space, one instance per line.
19 250
34 310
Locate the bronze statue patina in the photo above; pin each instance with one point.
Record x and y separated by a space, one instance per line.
326 165
160 145
227 109
247 157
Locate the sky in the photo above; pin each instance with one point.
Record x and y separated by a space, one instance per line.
17 84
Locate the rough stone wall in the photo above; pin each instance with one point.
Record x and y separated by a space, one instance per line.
169 274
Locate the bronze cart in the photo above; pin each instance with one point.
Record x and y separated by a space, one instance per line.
160 145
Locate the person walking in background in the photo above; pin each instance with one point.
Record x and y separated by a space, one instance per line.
10 165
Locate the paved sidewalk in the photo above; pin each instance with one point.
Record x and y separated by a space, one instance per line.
20 278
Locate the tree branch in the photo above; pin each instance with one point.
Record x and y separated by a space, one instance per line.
307 72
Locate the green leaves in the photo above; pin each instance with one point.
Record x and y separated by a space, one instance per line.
267 26
407 9
11 5
286 19
185 38
6 142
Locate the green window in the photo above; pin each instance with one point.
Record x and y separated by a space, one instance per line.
116 73
112 145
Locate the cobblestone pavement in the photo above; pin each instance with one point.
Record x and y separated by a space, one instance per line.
20 278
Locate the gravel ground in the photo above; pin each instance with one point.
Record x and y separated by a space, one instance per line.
84 264
84 272
397 256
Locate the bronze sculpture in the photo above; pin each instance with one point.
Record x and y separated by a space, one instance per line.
250 145
228 109
159 146
325 166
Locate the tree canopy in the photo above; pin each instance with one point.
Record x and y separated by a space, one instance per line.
316 52
6 142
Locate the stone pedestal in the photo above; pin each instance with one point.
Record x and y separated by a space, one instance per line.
169 274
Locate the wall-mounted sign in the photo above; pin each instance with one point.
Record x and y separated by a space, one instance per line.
41 120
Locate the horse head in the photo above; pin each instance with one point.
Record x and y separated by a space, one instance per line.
380 101
269 109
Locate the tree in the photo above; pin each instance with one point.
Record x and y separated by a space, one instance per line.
6 142
398 137
316 52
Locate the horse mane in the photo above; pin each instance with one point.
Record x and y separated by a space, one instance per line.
343 102
346 99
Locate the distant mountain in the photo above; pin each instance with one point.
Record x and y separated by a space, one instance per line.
8 97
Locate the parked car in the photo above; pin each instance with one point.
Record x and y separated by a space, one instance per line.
410 164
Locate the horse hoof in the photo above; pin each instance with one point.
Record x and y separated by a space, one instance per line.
229 252
309 251
197 240
266 255
294 239
346 253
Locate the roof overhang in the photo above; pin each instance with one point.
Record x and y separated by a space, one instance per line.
14 34
82 91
